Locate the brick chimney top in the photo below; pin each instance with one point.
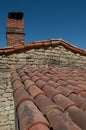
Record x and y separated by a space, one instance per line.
15 15
15 28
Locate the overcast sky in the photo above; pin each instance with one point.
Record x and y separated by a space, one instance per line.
48 19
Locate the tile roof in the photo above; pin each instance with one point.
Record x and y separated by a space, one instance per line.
50 98
41 44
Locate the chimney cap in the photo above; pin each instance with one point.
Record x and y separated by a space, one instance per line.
15 15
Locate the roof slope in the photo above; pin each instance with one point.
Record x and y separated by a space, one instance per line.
41 44
50 98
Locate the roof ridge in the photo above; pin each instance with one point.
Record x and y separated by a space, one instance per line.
39 44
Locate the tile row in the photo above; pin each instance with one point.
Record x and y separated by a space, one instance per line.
56 95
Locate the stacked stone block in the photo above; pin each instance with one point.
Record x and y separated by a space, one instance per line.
7 110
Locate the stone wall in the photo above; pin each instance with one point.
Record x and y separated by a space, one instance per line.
7 114
52 56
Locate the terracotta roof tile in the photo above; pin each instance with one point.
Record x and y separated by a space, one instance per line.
39 126
50 98
50 91
63 101
80 101
59 121
65 91
78 116
30 116
41 44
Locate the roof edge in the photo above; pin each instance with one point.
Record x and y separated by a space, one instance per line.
40 44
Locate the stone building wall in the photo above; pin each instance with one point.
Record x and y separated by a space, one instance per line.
7 116
52 56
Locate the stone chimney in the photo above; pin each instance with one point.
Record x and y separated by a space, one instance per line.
15 29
